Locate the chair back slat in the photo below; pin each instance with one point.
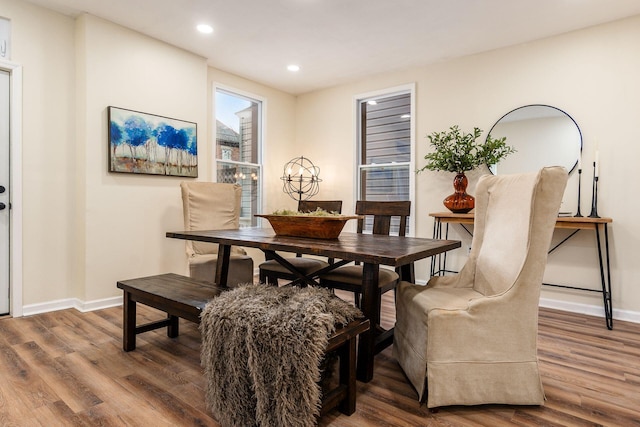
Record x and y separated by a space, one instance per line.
327 205
382 213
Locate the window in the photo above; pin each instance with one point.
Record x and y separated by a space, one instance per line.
238 143
385 146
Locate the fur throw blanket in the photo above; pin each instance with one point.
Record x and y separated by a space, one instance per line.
262 347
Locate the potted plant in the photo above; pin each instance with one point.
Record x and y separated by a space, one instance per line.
457 151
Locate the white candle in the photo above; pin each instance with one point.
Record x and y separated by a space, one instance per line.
596 173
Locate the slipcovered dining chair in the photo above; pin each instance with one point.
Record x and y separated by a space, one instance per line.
471 338
271 270
213 206
349 278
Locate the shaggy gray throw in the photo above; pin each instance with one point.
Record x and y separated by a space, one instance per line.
261 351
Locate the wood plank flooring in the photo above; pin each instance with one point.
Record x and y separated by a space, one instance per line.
67 368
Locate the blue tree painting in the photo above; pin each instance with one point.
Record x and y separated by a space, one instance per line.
150 144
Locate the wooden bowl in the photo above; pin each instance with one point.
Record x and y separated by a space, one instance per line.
313 227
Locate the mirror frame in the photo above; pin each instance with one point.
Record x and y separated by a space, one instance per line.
574 166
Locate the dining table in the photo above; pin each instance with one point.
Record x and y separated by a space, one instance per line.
371 250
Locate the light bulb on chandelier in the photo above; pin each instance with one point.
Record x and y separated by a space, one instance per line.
305 184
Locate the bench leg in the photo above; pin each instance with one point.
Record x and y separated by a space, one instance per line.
128 323
347 354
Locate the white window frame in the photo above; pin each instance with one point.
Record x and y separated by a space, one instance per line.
409 88
213 176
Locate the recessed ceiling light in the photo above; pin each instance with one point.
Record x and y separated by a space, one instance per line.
205 29
293 67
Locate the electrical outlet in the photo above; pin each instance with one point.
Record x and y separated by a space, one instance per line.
468 249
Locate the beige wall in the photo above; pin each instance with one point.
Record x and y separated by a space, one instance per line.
85 228
591 74
43 43
126 215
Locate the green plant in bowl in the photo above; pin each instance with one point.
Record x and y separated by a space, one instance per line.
317 213
318 224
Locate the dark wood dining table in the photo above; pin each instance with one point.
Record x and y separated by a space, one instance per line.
369 249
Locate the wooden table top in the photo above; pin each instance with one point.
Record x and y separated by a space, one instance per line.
394 251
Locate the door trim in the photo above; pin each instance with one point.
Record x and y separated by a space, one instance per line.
15 161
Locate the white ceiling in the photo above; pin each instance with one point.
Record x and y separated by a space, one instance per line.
339 41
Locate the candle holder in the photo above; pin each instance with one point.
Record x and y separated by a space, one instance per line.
578 214
594 197
304 183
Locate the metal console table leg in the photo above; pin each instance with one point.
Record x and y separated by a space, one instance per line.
598 224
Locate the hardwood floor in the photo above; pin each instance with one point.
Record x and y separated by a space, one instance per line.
67 368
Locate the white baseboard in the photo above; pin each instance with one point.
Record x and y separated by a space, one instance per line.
45 307
84 306
99 304
63 304
590 310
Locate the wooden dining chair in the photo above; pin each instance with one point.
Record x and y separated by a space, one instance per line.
271 270
379 216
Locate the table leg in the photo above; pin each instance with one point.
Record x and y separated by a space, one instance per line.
407 273
605 281
437 231
128 323
371 309
439 262
606 251
222 265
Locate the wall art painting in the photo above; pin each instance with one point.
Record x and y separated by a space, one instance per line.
149 144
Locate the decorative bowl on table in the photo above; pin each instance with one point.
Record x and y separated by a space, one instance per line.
306 225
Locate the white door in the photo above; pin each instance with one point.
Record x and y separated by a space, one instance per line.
4 192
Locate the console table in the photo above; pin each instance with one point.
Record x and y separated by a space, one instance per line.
599 225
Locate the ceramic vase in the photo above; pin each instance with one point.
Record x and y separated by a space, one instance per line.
460 201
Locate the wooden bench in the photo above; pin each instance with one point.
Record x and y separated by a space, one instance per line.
181 296
176 295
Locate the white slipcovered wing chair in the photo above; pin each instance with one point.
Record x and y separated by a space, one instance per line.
471 338
213 206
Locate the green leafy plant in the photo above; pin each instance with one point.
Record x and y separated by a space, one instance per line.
317 212
457 151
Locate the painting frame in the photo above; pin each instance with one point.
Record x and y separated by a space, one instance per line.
151 144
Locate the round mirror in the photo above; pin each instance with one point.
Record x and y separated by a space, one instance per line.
542 136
